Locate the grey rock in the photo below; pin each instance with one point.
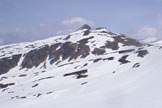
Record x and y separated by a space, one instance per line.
35 57
8 63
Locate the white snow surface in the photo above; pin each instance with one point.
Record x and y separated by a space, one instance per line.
109 84
149 40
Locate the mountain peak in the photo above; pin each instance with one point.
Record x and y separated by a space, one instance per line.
85 26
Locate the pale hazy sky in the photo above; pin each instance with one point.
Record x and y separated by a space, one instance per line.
28 20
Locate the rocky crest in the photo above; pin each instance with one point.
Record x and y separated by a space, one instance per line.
69 50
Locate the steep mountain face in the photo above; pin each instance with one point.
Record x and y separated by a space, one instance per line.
86 68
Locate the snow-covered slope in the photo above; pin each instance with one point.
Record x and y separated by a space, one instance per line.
89 68
149 40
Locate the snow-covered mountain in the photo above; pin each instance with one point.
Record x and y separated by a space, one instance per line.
89 68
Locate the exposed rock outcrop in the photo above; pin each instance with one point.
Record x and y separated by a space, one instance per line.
8 63
6 85
98 51
35 57
114 45
142 53
123 60
79 74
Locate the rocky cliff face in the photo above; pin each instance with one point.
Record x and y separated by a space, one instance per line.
8 63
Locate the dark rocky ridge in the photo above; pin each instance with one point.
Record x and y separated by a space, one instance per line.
8 63
68 51
35 57
121 39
